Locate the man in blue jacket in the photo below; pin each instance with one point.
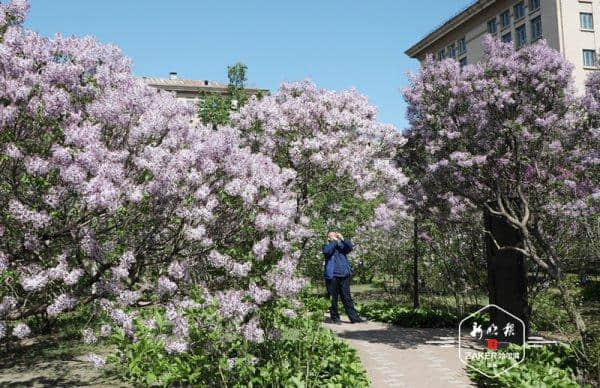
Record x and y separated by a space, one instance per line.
337 276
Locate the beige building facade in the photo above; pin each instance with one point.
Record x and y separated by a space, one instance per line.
569 26
194 90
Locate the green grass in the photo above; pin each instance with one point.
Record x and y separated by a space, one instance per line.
364 288
373 293
407 316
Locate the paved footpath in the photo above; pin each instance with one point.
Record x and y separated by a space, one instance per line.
405 357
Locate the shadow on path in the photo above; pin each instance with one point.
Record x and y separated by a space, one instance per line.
396 336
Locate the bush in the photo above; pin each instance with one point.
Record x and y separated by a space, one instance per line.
591 291
407 316
550 366
545 315
316 304
297 352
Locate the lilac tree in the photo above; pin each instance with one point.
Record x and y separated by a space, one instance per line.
589 140
504 136
109 194
343 157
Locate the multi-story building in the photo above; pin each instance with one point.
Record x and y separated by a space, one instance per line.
193 90
567 26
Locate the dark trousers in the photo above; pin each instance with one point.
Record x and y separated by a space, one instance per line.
341 286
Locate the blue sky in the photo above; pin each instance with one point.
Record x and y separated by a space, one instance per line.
338 44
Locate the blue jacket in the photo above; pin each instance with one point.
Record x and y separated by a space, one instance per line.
336 262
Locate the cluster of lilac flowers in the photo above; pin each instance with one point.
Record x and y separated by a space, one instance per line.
232 304
37 220
63 302
21 331
96 360
7 305
252 332
175 346
259 295
88 336
166 286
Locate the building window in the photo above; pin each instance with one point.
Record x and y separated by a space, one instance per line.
519 10
507 38
587 21
462 62
536 28
441 54
505 18
521 35
462 46
492 27
533 5
589 58
452 51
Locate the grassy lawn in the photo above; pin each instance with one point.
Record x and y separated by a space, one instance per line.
366 293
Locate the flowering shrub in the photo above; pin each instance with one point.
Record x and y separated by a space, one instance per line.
111 196
343 158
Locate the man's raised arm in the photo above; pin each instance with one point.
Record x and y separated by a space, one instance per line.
346 246
329 248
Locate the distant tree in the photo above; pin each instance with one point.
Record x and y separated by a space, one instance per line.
237 78
215 109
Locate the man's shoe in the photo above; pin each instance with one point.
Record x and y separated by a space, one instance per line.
359 320
336 321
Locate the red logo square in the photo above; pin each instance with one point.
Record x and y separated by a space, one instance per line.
492 344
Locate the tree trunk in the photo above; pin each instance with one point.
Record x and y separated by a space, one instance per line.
507 281
416 263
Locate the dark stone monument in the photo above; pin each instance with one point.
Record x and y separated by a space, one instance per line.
507 276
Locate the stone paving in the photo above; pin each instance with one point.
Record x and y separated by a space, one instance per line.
405 357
